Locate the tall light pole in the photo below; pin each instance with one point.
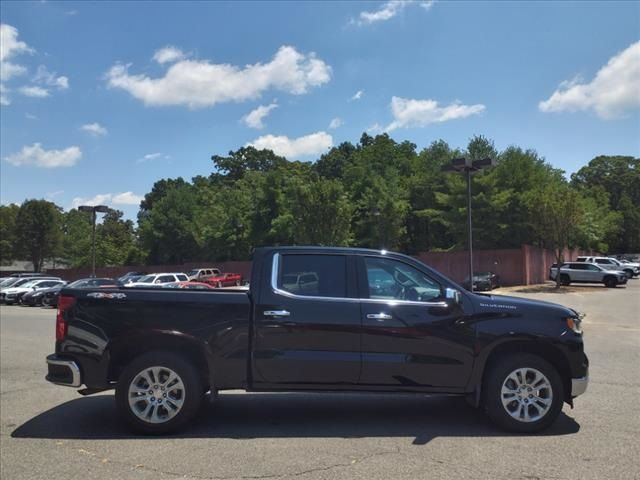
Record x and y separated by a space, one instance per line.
94 209
468 166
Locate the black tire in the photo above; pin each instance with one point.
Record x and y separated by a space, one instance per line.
193 392
610 281
498 373
565 279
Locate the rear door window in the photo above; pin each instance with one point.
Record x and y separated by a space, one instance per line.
314 275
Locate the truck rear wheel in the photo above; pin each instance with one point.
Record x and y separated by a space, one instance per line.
564 279
523 393
158 392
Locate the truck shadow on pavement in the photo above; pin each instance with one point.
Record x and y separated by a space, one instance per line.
289 415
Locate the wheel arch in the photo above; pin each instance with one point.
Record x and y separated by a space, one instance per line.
543 349
123 352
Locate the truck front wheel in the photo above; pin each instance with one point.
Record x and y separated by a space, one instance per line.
523 393
610 281
158 392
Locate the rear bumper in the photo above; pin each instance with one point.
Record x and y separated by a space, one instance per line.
579 385
63 372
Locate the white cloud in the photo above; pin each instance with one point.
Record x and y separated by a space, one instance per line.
45 77
152 156
31 116
34 91
10 46
52 195
94 129
254 118
168 54
336 122
312 144
388 10
375 129
10 70
613 91
199 83
357 96
4 99
37 156
408 112
124 198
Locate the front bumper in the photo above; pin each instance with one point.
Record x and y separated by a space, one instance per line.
63 372
579 386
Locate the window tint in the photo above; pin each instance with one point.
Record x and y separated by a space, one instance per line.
393 280
165 279
593 267
182 278
314 275
579 266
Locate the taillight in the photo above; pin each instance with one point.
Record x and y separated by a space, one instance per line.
65 302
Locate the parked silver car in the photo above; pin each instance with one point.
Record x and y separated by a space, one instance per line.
613 264
584 272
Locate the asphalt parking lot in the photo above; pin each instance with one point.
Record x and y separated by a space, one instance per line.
50 432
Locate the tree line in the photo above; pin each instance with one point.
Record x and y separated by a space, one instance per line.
377 193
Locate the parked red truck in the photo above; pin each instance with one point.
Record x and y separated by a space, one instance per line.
224 280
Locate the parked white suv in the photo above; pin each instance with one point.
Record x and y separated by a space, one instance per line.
631 269
158 279
201 274
585 272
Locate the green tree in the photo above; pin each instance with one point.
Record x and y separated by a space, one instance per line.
557 213
8 216
619 176
38 233
321 213
168 231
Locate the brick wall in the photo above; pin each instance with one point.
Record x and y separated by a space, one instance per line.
518 266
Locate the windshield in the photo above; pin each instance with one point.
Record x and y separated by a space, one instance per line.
192 273
147 279
25 282
8 281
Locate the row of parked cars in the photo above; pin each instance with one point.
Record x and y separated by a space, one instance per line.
607 270
35 289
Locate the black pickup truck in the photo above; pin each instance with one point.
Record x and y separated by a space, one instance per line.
320 319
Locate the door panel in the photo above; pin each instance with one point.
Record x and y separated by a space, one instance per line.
410 341
308 333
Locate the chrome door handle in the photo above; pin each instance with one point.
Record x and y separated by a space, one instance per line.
276 313
379 316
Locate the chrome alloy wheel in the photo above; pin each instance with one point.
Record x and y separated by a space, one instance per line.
156 394
526 394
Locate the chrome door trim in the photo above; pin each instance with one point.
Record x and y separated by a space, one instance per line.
275 266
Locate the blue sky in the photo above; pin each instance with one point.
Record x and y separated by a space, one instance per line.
99 100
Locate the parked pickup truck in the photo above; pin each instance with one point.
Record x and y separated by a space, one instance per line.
224 280
374 321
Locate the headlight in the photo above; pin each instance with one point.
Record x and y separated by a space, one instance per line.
575 323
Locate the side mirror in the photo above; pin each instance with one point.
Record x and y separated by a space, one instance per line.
452 295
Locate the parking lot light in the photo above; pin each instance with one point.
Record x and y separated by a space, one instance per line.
468 166
94 209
